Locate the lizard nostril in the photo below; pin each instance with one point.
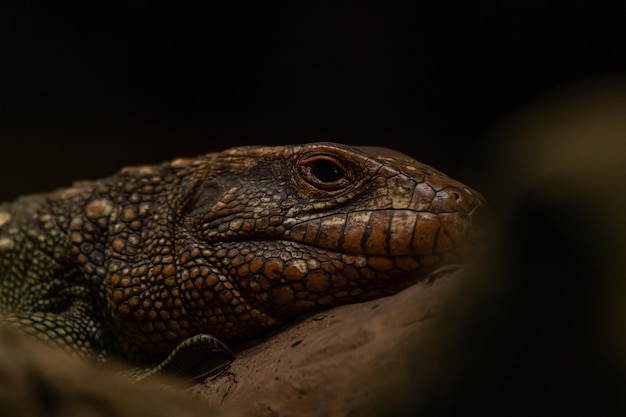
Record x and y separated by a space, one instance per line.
456 199
449 200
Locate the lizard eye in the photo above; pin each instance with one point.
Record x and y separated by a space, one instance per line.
325 172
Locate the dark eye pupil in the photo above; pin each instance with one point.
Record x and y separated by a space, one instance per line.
326 171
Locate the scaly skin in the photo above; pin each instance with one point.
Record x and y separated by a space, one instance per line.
227 245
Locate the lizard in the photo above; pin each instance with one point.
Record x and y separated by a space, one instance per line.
158 264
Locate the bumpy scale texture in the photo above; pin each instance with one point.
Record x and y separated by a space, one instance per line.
228 244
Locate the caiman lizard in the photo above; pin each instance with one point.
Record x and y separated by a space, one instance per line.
158 263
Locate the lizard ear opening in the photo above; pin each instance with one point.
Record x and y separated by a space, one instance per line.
206 197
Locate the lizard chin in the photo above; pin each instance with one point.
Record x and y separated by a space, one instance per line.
286 277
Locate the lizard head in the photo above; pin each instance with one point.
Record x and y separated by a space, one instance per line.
280 230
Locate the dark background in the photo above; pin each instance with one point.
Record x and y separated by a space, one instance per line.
93 86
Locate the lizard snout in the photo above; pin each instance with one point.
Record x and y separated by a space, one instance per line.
461 212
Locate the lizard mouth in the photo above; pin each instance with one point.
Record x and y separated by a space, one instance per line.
352 249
